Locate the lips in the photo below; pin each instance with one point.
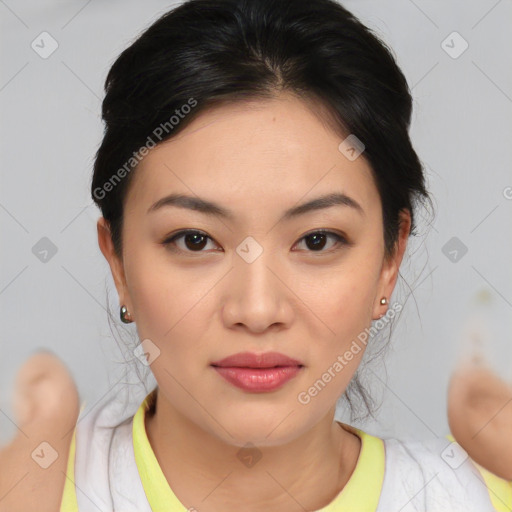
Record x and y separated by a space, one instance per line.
252 360
257 373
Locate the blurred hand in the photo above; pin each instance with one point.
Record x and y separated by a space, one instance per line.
480 417
46 409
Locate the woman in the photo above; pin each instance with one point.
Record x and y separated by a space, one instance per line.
258 187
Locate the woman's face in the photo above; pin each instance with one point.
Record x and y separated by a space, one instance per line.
257 281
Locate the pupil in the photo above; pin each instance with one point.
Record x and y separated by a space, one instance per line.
195 245
317 243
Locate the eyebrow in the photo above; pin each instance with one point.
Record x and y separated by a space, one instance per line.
213 209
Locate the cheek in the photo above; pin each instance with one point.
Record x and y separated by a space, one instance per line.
344 303
172 308
344 296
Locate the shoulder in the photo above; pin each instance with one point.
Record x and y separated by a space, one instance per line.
439 475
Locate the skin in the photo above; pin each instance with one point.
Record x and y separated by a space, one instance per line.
480 416
257 159
46 409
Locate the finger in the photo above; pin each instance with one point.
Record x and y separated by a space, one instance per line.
33 465
43 386
480 417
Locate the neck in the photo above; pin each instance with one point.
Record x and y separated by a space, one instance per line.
304 474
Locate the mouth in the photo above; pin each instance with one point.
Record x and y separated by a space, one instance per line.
253 360
258 373
258 380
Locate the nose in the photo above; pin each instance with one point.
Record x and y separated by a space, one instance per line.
257 295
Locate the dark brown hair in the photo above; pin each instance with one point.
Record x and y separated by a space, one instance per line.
205 52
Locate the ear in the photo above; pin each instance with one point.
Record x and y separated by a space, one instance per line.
116 265
391 265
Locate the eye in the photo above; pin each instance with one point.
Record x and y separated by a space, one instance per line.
316 240
194 241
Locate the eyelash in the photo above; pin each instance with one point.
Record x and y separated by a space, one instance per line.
167 242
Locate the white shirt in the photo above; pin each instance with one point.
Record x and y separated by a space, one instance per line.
390 475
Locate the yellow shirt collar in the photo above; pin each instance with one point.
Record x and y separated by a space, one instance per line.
362 491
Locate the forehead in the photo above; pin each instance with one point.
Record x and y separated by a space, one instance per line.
267 153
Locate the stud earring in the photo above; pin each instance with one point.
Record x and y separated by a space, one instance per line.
383 302
126 317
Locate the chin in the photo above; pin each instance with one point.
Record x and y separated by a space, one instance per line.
261 429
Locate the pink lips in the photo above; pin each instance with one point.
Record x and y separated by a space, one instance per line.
258 372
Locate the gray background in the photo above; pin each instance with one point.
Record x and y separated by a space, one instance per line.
462 130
